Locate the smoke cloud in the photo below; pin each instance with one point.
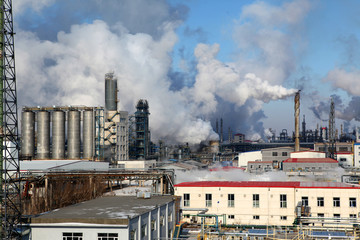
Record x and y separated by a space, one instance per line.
67 64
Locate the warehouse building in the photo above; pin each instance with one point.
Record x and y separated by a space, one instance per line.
269 203
120 217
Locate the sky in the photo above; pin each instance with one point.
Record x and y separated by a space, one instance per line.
195 61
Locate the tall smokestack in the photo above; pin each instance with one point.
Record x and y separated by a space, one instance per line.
297 113
221 130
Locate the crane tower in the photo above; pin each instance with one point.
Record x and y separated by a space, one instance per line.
9 161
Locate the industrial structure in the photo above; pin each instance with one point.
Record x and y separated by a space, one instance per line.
48 131
10 171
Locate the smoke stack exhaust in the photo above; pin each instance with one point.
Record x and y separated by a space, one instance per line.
297 113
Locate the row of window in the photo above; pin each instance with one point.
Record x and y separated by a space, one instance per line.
79 236
283 201
274 154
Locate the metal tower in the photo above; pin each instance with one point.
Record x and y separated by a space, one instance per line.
332 148
10 170
142 130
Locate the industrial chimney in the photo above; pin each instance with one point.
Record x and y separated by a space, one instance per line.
297 120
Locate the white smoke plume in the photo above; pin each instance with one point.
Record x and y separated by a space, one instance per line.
68 68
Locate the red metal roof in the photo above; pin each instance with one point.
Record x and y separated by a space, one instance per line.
310 160
267 184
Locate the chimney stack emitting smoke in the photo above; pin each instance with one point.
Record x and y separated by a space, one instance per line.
297 113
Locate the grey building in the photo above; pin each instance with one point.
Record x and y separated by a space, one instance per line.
276 154
120 217
309 164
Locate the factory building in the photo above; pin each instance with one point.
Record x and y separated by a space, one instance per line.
270 203
119 217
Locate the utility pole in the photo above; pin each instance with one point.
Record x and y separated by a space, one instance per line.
9 153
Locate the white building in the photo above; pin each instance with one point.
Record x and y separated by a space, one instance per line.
116 218
307 154
268 203
345 159
357 154
246 157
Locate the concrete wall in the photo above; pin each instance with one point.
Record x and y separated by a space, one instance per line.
137 164
276 154
308 167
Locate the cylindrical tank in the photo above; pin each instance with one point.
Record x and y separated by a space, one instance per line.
43 135
110 92
28 134
88 134
73 134
58 135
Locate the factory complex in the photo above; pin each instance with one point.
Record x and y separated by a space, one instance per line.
92 172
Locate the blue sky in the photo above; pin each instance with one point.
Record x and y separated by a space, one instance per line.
195 61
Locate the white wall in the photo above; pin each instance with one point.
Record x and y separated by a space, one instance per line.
357 155
138 164
245 157
307 154
345 160
52 231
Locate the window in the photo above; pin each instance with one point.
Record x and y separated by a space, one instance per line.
153 224
274 154
231 200
343 149
162 221
186 200
321 215
133 234
143 230
337 216
352 215
170 217
256 217
231 216
208 199
256 200
186 215
352 202
108 236
342 159
283 202
304 201
283 217
284 153
320 201
72 236
336 201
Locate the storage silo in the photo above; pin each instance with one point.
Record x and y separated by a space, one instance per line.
73 134
43 135
58 134
88 134
110 92
27 134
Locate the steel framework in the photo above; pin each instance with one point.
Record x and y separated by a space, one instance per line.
9 161
332 140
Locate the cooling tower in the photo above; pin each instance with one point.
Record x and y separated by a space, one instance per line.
28 134
58 135
88 134
73 134
110 92
43 135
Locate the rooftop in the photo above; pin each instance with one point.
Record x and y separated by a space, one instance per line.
104 210
268 184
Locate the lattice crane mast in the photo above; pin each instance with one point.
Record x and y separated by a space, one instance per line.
9 160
